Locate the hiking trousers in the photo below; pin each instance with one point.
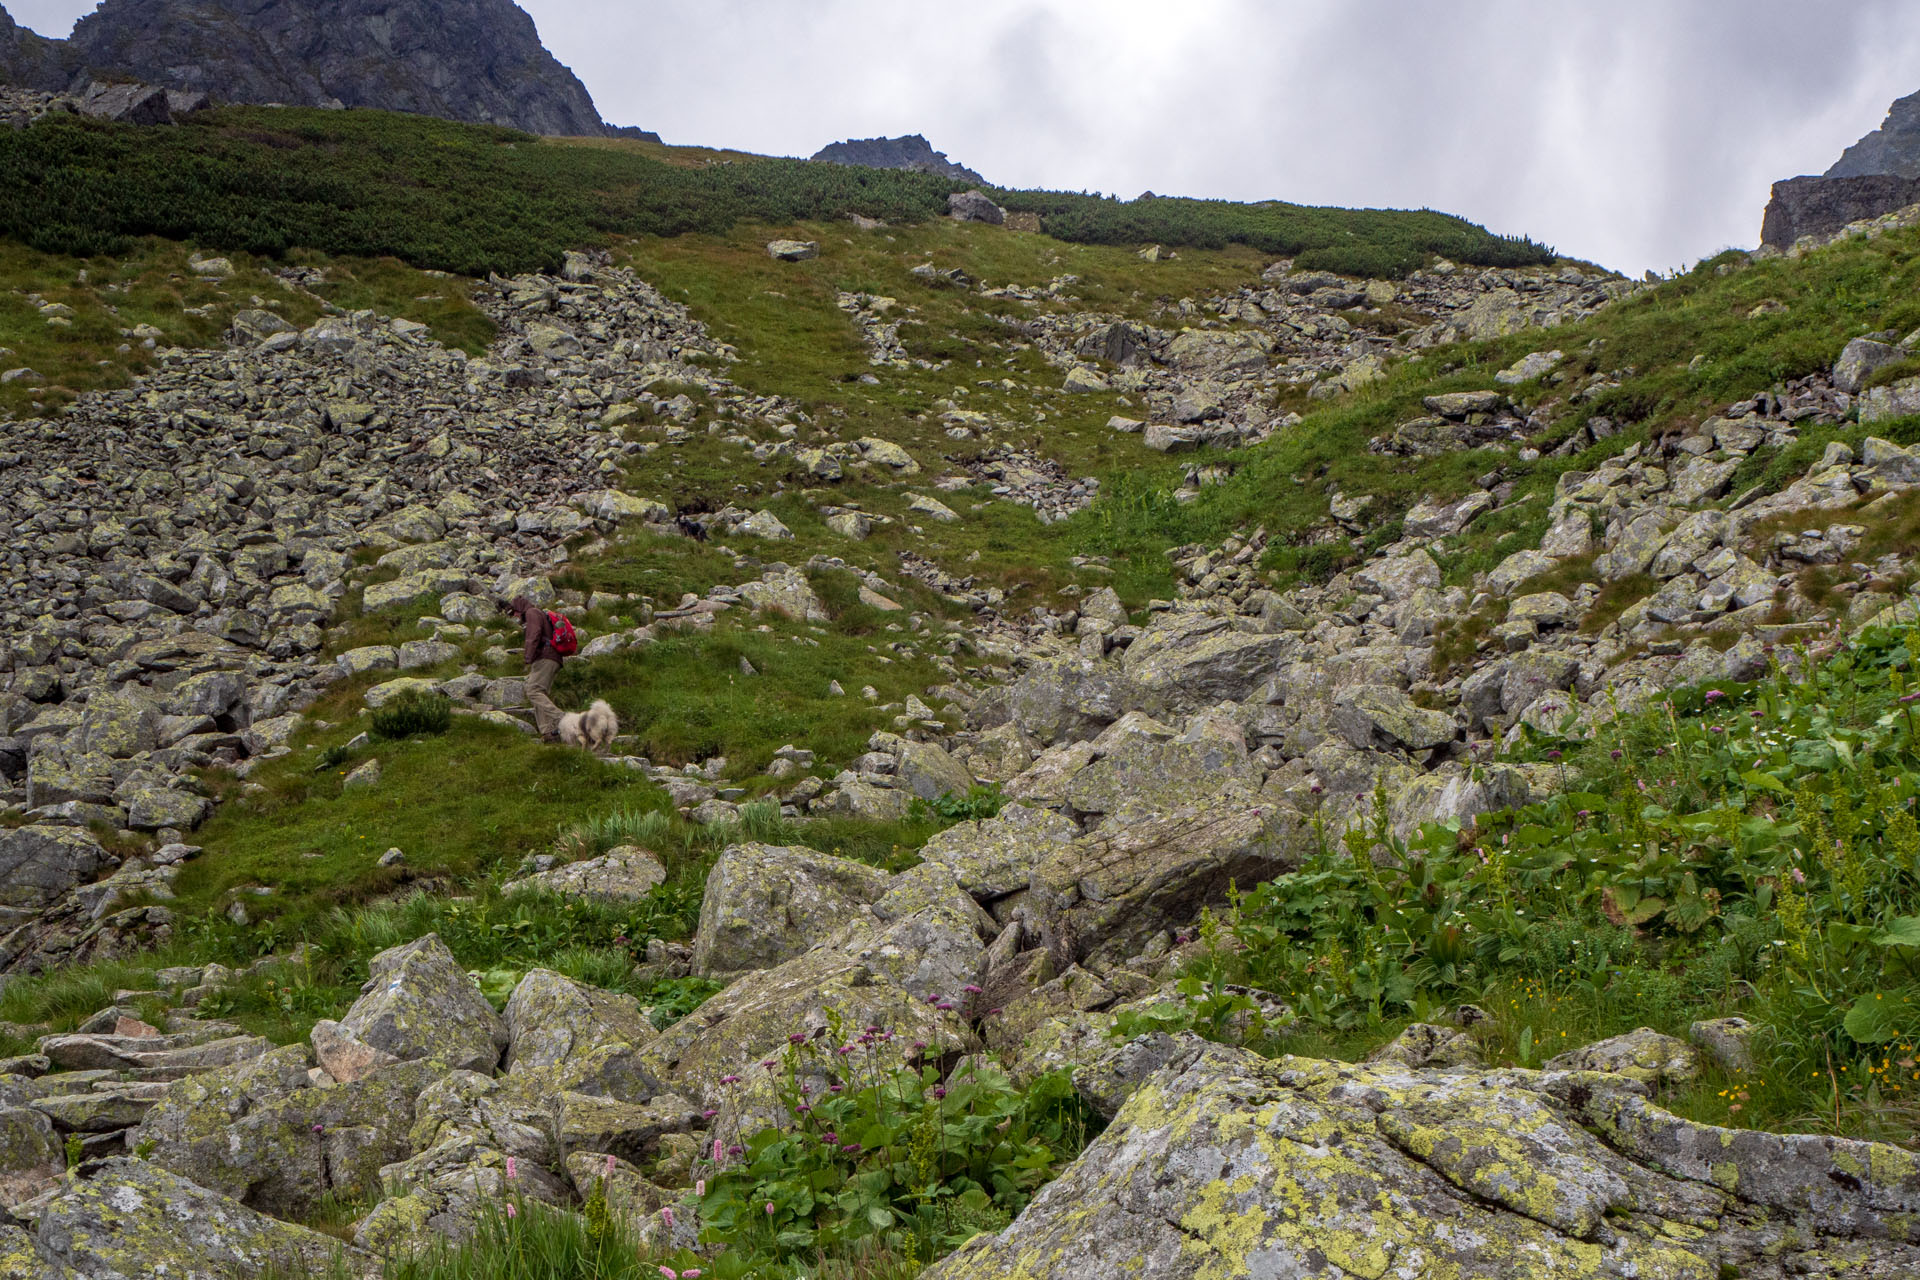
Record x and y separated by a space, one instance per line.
546 716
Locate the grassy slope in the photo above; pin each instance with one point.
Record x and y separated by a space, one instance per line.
461 807
153 285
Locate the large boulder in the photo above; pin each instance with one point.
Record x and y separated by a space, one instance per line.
853 982
287 1154
131 1218
787 592
624 874
38 864
551 1019
1140 873
1201 661
975 206
1066 699
765 904
419 1003
1644 1055
995 856
1151 771
929 772
1224 1164
1380 717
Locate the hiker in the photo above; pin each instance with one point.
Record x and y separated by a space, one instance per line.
543 656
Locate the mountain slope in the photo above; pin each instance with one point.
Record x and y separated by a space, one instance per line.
474 60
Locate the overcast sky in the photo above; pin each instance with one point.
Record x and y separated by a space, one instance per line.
1637 133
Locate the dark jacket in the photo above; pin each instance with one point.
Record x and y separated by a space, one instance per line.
539 629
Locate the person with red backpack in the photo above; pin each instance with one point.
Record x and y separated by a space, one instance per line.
550 641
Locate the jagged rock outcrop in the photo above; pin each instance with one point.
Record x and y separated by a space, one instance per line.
1893 148
28 58
911 151
1803 207
1875 176
474 60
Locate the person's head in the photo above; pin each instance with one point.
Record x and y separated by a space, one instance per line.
517 606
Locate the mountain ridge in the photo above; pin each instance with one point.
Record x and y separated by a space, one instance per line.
480 61
909 151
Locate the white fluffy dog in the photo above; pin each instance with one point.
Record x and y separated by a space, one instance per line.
593 728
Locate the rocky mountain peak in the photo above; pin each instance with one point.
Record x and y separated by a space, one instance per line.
473 60
1876 176
911 151
1893 148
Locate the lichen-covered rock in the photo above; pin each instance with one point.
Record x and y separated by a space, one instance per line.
551 1019
31 1156
289 1152
40 863
496 1114
1221 1165
1177 668
635 1200
624 874
1147 771
445 1191
1380 717
1728 1041
1425 1044
752 1019
1644 1055
132 1218
19 1260
929 772
766 903
1066 699
993 857
419 1003
631 1131
1140 873
787 592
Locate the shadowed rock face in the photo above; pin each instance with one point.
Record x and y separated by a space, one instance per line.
909 152
1821 206
473 60
29 59
1876 175
1893 148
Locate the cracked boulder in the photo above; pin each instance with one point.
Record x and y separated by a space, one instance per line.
765 904
1222 1164
419 1003
1138 874
127 1218
552 1019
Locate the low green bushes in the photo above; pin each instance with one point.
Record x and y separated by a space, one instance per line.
476 198
413 713
888 1154
1749 848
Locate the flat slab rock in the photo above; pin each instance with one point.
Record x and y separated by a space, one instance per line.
1223 1165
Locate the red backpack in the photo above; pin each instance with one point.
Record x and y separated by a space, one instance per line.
564 642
